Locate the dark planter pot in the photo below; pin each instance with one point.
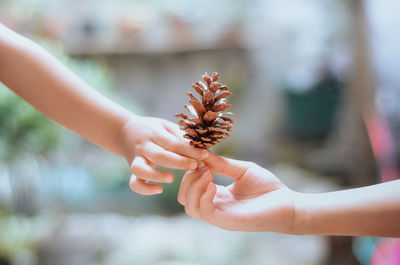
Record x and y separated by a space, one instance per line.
4 261
310 115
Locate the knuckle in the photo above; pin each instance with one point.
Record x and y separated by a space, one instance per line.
133 185
158 156
135 169
180 200
250 170
251 164
135 162
188 211
170 125
153 132
181 197
139 148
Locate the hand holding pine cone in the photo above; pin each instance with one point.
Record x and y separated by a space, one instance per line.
209 124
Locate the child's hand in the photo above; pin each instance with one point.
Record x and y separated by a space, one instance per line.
256 201
151 142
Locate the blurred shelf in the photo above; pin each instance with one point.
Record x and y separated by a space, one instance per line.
88 50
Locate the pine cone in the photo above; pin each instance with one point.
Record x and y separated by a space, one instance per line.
209 124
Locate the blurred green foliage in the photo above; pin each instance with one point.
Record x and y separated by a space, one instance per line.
22 233
25 130
22 128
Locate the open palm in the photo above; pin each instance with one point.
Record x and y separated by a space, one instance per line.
256 201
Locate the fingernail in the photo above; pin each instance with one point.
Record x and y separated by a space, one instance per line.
209 187
158 191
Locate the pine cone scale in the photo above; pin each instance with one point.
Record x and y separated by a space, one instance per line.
200 109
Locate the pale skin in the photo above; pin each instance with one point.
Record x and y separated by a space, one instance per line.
145 142
259 201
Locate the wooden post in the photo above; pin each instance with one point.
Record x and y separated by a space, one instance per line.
360 102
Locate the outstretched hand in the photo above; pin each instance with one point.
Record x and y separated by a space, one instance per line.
256 201
151 142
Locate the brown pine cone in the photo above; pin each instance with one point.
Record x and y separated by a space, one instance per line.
209 125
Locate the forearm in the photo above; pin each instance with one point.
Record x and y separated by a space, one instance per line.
367 211
46 84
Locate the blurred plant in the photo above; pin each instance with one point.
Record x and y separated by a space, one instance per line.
21 233
22 128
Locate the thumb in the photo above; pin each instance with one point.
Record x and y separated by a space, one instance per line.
226 166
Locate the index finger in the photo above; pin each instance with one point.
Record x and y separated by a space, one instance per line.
159 156
226 166
171 143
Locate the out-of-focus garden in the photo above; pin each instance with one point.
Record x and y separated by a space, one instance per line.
315 99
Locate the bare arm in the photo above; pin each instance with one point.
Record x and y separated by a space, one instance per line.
368 211
50 87
259 201
46 84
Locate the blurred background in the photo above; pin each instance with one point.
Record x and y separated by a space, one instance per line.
316 87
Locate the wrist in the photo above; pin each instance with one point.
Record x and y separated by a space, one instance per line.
127 138
301 220
318 214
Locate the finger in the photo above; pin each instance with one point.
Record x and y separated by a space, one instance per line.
159 156
186 183
226 166
198 188
173 129
207 206
140 186
143 169
177 145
